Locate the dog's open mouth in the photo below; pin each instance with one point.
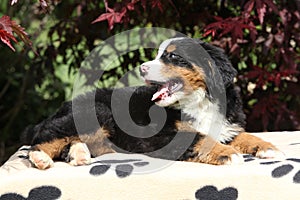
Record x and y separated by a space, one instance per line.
165 89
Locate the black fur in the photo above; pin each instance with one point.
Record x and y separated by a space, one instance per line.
61 124
191 50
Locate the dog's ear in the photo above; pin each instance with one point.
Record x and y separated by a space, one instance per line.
221 61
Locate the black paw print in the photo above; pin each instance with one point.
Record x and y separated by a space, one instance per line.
248 158
285 169
39 193
281 170
123 168
210 192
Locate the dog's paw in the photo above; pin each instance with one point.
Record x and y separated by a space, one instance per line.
265 150
40 159
219 155
228 156
267 153
79 154
250 144
233 159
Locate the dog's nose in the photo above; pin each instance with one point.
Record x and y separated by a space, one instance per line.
144 69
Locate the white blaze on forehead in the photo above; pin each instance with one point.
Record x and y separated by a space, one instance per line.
164 45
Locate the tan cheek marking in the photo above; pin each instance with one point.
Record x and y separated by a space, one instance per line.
171 48
193 80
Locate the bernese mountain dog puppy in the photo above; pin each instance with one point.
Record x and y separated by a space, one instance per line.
190 84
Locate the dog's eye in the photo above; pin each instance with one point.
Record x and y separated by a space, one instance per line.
175 59
174 56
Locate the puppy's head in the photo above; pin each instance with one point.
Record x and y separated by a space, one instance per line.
185 67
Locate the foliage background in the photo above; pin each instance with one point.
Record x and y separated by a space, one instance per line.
261 37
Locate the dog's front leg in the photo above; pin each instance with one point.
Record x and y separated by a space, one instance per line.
207 150
250 144
42 155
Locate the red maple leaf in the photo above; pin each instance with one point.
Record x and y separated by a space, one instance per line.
6 37
261 8
158 4
144 4
7 28
6 31
267 108
5 24
20 31
117 15
258 75
111 16
44 4
233 25
130 5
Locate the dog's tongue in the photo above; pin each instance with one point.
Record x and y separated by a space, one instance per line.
161 93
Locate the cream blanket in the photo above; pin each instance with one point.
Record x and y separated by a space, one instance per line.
123 176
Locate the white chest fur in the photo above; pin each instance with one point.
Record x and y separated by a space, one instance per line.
207 118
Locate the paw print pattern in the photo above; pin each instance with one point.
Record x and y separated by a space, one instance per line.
210 192
39 193
123 168
99 169
248 158
296 143
285 169
281 170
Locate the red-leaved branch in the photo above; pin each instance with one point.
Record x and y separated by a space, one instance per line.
118 14
8 30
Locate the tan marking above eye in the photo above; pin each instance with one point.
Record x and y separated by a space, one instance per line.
171 48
